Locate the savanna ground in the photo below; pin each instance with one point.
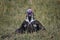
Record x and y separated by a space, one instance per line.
12 14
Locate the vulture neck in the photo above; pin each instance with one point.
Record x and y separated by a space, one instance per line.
29 19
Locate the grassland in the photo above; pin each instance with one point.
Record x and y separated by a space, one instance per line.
12 14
